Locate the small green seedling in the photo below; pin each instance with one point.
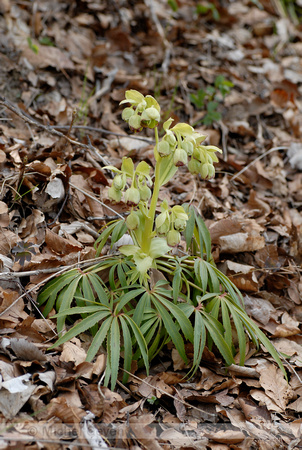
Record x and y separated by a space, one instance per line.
210 98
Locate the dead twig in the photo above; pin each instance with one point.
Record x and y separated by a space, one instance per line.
96 199
29 120
103 131
274 149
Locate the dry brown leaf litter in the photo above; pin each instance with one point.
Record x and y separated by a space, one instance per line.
252 208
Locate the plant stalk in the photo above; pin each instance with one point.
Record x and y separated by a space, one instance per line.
145 244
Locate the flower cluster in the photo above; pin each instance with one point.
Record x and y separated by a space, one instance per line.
182 142
170 222
139 180
143 112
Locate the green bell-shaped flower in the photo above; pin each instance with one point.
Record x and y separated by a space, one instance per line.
188 147
144 192
119 182
173 238
132 221
132 196
180 224
180 157
127 113
151 114
135 122
194 166
164 148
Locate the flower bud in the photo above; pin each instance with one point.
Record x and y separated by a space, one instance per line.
132 196
207 171
135 122
127 113
211 171
173 238
194 166
114 195
132 221
119 182
170 138
152 114
145 193
200 155
188 147
180 224
204 171
180 157
164 148
163 229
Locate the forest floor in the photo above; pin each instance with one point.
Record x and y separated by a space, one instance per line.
233 69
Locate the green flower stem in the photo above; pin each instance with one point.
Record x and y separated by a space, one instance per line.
145 245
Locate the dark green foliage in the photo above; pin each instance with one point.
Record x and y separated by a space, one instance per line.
195 303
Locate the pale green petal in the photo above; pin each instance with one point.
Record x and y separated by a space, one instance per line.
134 96
167 124
128 167
143 168
184 129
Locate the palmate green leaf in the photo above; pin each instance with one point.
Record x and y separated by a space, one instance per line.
82 326
179 315
199 342
51 289
214 329
141 307
88 297
121 274
111 276
213 280
149 327
213 306
204 237
140 341
240 331
115 350
98 287
201 273
226 323
86 288
119 230
88 309
126 298
171 328
108 361
161 339
99 338
255 331
127 344
176 283
64 301
104 236
234 292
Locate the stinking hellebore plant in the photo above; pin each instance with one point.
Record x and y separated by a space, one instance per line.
181 145
127 312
